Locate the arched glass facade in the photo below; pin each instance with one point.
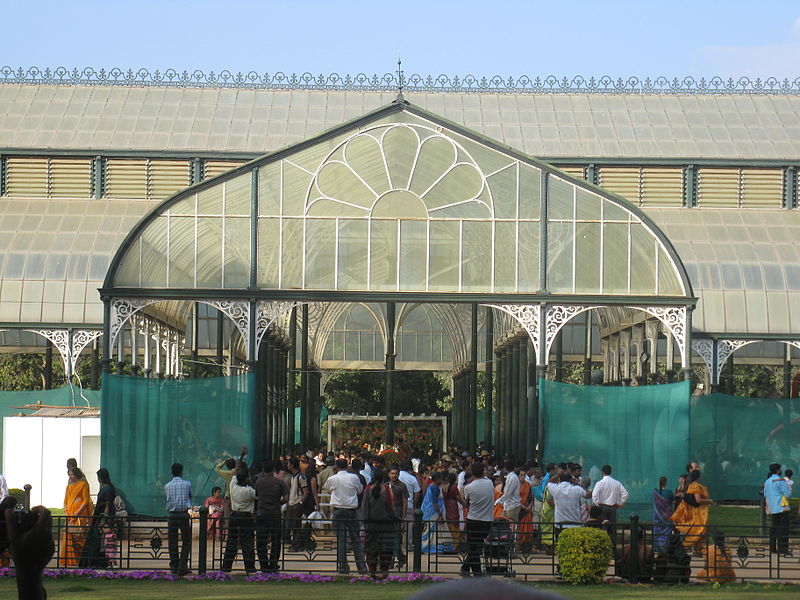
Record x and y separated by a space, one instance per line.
399 202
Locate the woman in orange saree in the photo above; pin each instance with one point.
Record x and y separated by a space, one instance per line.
525 533
691 516
78 509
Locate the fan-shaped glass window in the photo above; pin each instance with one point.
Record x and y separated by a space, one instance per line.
399 202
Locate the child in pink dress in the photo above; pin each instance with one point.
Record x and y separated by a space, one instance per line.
214 503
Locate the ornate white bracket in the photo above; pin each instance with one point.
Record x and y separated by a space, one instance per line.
674 318
727 347
121 311
704 348
61 340
529 316
267 312
80 339
557 316
794 343
237 311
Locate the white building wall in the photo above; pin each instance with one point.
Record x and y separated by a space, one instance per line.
36 449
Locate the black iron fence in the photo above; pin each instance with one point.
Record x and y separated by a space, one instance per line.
641 551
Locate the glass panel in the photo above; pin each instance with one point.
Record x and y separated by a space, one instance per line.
643 260
528 257
363 154
154 253
320 246
437 155
505 256
559 257
269 246
291 255
352 265
587 258
462 182
237 195
129 270
269 189
339 182
530 192
504 193
295 187
612 212
587 206
413 246
615 258
383 255
209 202
443 258
560 199
477 256
186 206
181 252
400 146
237 252
209 252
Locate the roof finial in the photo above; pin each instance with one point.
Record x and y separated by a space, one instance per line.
400 80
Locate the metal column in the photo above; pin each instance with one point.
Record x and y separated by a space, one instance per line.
390 364
488 384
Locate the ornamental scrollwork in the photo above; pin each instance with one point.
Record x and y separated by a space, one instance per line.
727 347
60 338
121 310
704 348
392 82
529 316
557 316
237 311
267 312
80 339
674 318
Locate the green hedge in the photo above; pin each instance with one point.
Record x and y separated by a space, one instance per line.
583 554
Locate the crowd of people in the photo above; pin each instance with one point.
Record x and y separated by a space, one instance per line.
370 503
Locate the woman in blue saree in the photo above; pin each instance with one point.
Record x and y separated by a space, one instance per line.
663 499
436 537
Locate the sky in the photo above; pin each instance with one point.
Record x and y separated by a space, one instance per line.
644 38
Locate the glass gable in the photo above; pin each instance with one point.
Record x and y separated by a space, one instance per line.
399 203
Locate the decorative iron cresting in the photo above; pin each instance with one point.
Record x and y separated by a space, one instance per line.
391 82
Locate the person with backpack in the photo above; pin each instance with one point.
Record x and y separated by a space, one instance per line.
298 496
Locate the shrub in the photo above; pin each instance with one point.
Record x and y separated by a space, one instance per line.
583 554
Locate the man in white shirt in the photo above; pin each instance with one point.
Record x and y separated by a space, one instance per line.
412 485
511 498
565 497
610 495
479 497
345 488
241 526
3 488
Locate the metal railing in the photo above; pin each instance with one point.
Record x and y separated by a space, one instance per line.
642 551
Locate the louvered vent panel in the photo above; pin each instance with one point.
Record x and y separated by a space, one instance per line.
168 177
762 188
71 177
662 186
718 187
625 181
212 168
579 172
27 176
126 178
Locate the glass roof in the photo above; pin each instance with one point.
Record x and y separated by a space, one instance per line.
399 202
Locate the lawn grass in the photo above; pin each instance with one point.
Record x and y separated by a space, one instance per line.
90 589
731 519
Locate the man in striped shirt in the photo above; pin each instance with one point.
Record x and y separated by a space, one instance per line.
179 501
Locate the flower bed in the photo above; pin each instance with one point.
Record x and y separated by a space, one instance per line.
156 575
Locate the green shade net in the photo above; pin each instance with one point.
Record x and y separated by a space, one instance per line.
735 439
642 432
148 424
11 402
